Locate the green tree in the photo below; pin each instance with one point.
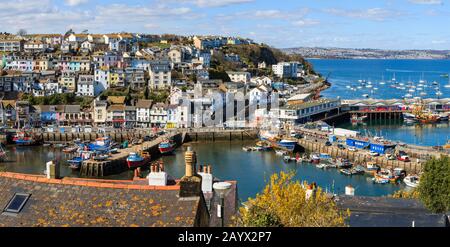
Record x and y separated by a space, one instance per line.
434 186
283 202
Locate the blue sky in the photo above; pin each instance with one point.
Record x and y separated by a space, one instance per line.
388 24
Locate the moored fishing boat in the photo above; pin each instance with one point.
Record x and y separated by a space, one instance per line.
166 146
287 158
372 168
277 141
343 163
263 145
70 149
386 174
135 160
412 181
24 139
75 163
315 159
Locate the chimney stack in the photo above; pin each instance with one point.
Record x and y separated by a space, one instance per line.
190 158
191 183
52 169
157 176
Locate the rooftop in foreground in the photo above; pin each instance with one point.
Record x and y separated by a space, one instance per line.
86 202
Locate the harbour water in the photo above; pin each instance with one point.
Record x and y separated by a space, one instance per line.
417 134
343 73
253 169
229 162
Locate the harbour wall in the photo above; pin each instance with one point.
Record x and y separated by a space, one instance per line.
359 157
117 162
224 135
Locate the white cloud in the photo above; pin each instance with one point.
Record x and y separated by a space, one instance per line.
75 2
427 2
216 3
305 23
376 14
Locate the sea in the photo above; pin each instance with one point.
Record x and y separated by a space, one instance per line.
347 72
343 73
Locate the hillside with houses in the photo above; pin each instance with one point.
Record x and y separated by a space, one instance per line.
87 74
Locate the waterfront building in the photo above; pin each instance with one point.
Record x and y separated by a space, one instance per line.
130 116
239 76
85 86
7 112
158 115
203 43
116 77
143 108
160 75
176 55
115 116
35 46
68 80
42 64
20 64
305 112
263 80
100 114
262 65
172 117
23 114
299 98
11 45
101 78
286 69
77 37
135 77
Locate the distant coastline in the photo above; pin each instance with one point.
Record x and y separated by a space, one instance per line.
349 53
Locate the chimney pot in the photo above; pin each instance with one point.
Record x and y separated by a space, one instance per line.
190 160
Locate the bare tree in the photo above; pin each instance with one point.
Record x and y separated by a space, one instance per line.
22 32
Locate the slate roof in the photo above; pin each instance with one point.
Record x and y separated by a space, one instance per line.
389 212
88 202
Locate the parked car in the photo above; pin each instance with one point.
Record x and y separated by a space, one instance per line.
340 146
352 149
404 158
328 143
372 153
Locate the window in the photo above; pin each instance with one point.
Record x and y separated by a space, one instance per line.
16 203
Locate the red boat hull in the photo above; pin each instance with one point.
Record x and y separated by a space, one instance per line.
167 150
135 164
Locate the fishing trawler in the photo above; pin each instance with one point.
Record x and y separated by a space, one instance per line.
137 160
24 139
421 114
277 141
166 146
358 119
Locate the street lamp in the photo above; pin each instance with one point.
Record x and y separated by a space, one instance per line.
222 188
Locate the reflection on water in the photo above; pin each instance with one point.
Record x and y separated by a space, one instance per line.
32 160
419 134
251 169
